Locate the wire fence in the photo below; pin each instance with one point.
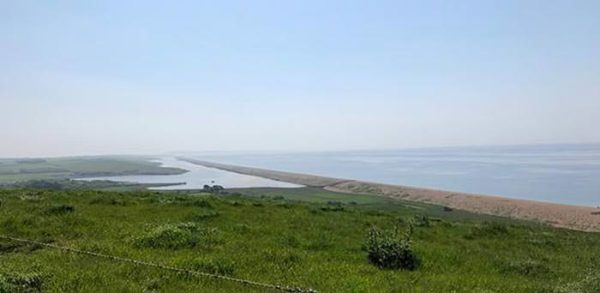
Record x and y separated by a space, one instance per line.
165 267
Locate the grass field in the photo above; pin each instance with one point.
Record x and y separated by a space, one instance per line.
19 170
271 239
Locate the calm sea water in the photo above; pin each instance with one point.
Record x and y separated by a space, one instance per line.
554 173
196 178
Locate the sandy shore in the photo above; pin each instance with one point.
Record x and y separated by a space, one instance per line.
559 215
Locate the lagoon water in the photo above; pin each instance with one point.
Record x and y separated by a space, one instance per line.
196 178
554 173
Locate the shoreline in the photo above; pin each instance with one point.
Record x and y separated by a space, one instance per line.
559 215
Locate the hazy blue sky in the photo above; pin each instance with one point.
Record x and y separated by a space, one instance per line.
94 77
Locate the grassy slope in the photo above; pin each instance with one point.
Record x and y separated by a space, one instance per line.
13 170
280 241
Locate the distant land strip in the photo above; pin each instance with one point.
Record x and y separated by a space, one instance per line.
558 215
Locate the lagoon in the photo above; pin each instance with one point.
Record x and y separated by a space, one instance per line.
196 178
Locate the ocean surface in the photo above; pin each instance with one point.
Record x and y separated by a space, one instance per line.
553 173
196 178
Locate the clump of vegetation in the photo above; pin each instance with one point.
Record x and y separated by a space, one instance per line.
217 266
421 221
20 283
213 189
170 236
390 249
60 209
333 206
448 209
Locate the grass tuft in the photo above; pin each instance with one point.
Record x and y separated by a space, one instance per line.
184 235
17 282
219 266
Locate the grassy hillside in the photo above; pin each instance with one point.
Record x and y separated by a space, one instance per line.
271 239
18 170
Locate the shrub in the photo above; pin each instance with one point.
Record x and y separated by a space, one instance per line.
421 221
217 266
448 209
177 236
390 249
217 189
333 206
60 209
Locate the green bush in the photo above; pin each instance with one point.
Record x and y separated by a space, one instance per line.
390 249
333 206
60 209
421 221
185 235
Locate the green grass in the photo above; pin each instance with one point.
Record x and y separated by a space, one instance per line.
281 241
18 170
310 194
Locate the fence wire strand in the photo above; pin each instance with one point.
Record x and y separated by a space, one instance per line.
164 267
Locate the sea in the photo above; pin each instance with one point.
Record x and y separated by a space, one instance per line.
567 174
553 173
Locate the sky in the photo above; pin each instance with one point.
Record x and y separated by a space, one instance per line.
147 77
